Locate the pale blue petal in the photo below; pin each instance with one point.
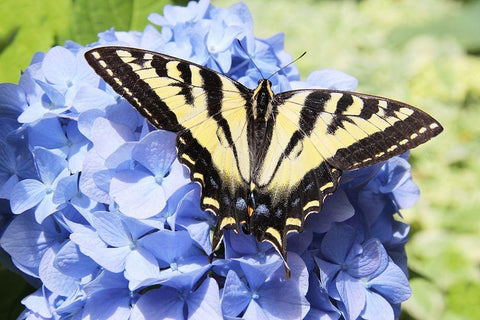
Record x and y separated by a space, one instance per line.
108 304
369 260
122 113
257 272
140 266
26 194
86 122
337 242
148 306
406 195
337 208
111 229
38 304
66 189
392 284
328 271
156 152
290 304
176 178
137 194
204 303
377 308
256 312
186 276
240 244
59 66
106 280
7 186
92 165
88 98
84 74
174 244
46 207
121 159
320 305
236 295
117 135
191 217
300 242
32 113
53 100
353 294
112 259
47 133
332 79
152 39
52 278
49 165
72 262
26 240
12 100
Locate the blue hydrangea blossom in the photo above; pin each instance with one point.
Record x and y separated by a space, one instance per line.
103 220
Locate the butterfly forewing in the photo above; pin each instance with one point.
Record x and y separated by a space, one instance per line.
351 130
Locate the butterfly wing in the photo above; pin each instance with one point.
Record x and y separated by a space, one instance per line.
206 109
319 133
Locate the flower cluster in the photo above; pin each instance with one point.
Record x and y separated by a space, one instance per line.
99 214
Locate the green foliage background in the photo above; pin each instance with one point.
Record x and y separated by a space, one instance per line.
426 53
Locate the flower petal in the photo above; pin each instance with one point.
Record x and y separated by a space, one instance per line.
204 303
147 307
26 194
236 296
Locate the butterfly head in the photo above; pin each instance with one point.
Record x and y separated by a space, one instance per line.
262 99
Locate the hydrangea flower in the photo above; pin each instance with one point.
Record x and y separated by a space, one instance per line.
100 216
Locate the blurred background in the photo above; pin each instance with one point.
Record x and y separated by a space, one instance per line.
425 53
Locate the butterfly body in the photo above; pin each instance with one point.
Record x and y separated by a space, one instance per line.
265 161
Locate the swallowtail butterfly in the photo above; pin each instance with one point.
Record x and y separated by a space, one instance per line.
265 161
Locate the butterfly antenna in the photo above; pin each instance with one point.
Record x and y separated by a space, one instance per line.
287 65
251 59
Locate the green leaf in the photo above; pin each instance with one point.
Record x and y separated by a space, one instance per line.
426 302
444 257
27 27
462 25
462 300
91 17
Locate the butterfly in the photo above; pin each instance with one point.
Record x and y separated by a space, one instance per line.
264 161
